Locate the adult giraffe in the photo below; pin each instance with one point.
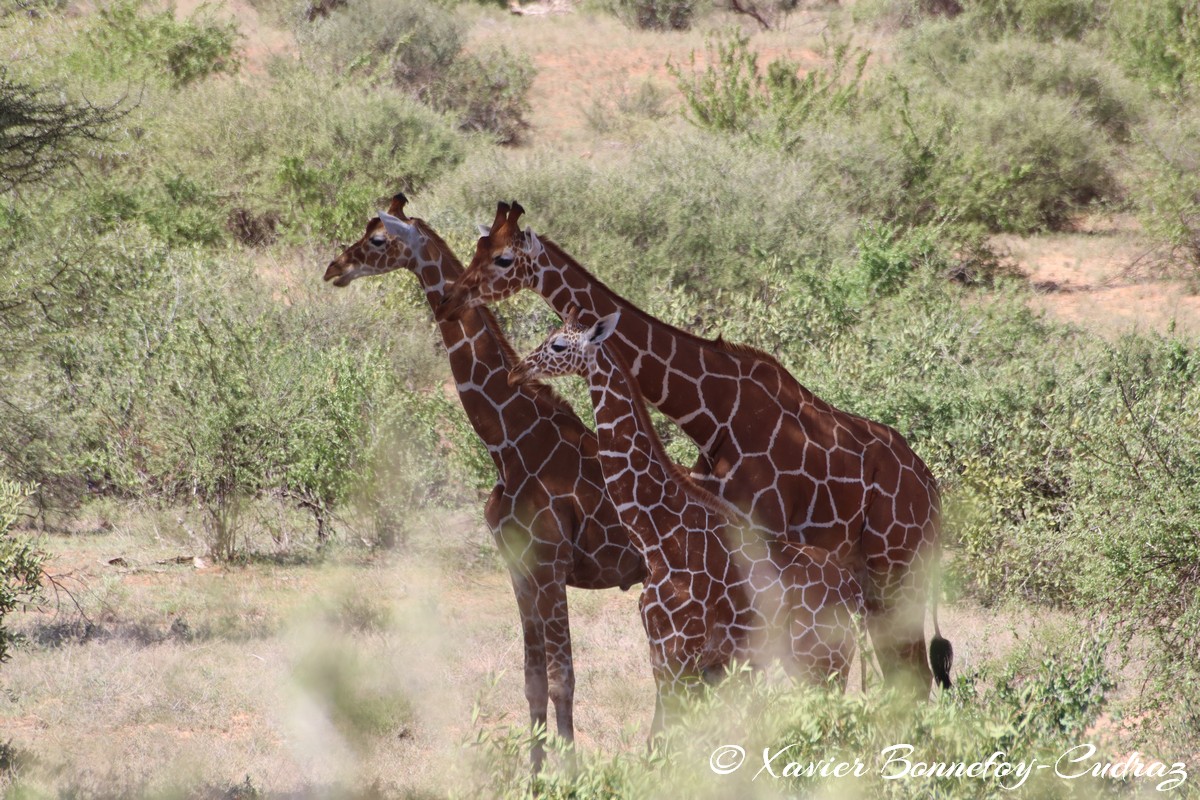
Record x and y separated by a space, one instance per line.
810 472
549 512
714 591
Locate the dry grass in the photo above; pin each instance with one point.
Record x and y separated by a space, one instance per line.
349 671
354 670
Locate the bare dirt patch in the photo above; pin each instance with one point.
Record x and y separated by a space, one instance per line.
1104 278
584 60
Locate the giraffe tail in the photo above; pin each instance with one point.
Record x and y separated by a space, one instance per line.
941 652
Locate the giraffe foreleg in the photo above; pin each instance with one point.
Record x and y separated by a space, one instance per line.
536 680
552 606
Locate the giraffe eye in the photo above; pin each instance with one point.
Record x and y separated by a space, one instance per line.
558 347
504 262
378 241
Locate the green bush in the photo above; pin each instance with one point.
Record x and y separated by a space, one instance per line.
310 158
657 15
1012 135
1159 41
125 42
1020 162
733 95
487 92
1006 136
179 209
887 256
1136 483
1045 20
166 374
1166 188
412 43
20 563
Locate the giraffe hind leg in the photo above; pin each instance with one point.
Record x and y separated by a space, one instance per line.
900 650
559 661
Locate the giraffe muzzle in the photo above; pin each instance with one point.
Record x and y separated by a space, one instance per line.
519 375
337 270
458 298
450 307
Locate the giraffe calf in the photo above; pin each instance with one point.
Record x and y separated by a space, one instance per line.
715 591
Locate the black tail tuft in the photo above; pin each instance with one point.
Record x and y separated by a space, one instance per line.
941 658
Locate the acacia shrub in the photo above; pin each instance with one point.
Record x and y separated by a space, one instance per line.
309 160
419 49
124 41
686 210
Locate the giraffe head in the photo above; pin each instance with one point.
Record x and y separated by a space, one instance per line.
391 241
570 350
505 261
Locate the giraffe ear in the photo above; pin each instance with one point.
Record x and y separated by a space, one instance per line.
394 225
396 208
602 329
533 244
515 212
501 215
484 230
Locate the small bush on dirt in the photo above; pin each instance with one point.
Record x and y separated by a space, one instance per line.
1073 73
126 42
733 95
412 43
1022 162
893 15
657 15
419 48
487 92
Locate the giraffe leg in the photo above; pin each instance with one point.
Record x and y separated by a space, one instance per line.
560 665
536 682
900 540
660 713
898 637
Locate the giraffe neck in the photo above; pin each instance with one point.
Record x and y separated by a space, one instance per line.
651 494
664 361
480 356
